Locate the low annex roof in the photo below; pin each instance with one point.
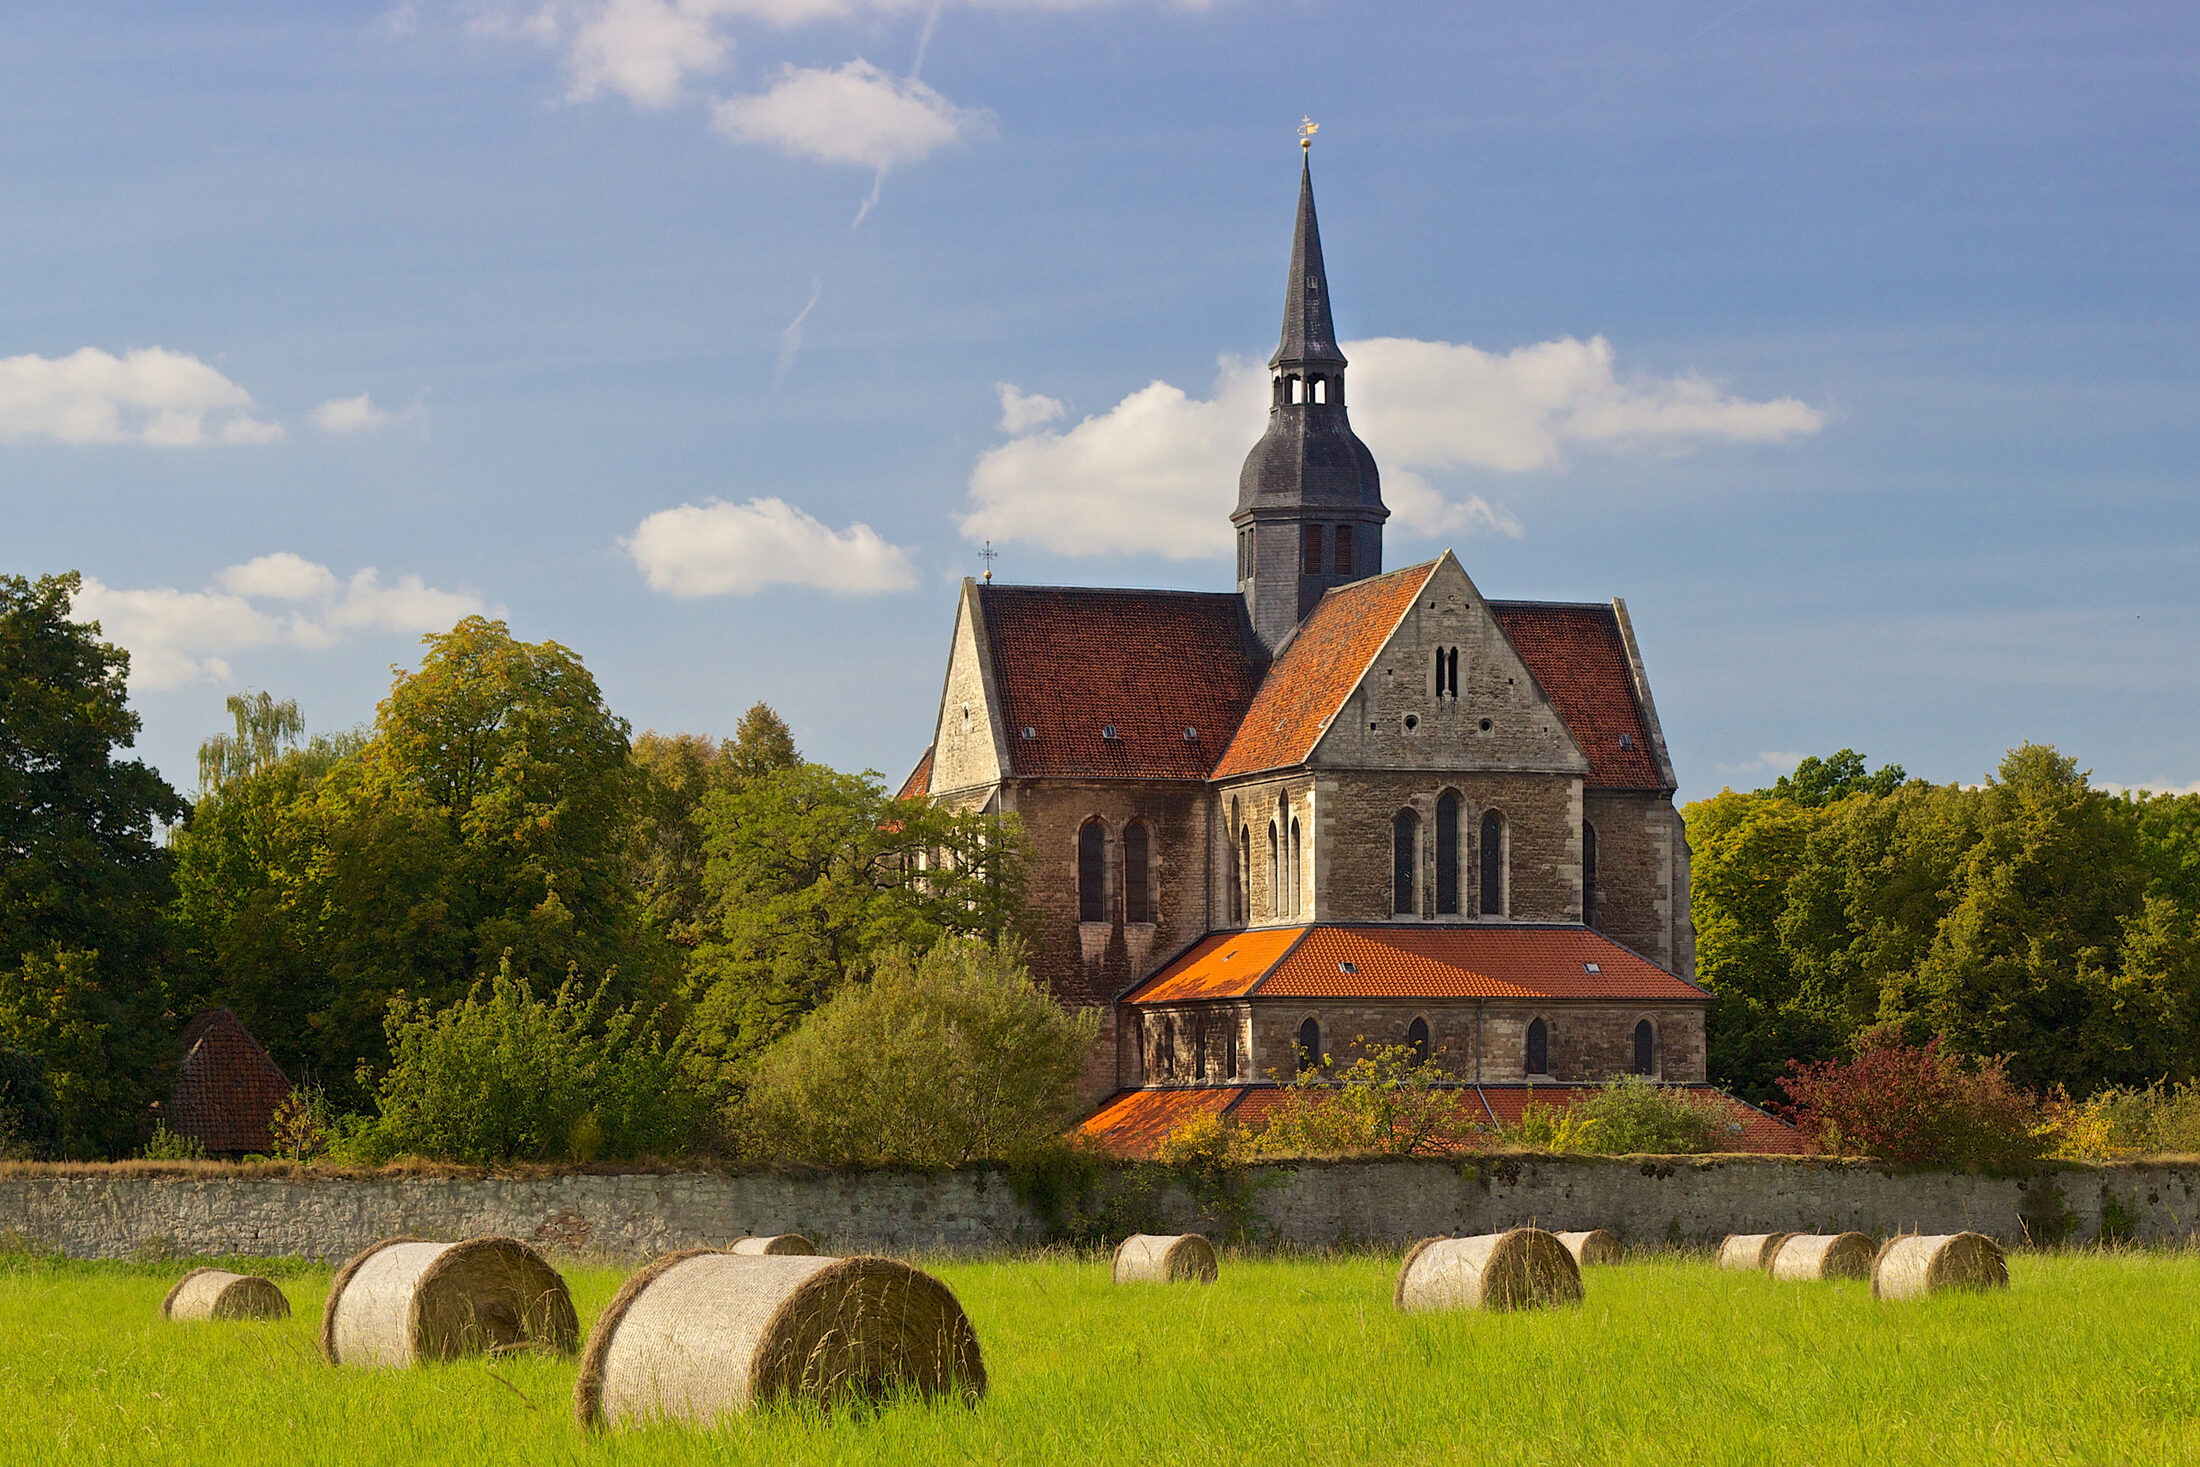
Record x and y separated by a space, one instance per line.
1132 1123
1169 672
1380 960
227 1087
919 782
1579 656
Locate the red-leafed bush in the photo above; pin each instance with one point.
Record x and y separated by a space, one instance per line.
1915 1107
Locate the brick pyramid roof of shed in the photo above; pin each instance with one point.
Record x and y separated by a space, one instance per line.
1425 960
227 1087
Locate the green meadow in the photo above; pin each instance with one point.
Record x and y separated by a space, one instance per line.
2087 1357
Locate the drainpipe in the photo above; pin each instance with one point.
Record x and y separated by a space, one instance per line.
1478 1039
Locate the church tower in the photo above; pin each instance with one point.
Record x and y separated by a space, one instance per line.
1310 506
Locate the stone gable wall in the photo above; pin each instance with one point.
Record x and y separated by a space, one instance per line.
1636 833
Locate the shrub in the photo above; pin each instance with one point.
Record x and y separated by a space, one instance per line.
1549 1128
1205 1143
505 1076
937 1060
1916 1106
1386 1102
167 1145
1637 1116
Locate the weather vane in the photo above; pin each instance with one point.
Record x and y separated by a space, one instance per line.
1307 128
987 555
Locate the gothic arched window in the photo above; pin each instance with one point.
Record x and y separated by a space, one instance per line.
1092 872
1493 865
1275 874
1405 840
1137 853
1646 1048
1539 1048
1447 855
1417 1036
1310 1044
1296 884
1589 875
1245 875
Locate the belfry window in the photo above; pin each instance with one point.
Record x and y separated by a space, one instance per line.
1447 855
1493 865
1344 550
1646 1048
1310 561
1092 872
1317 389
1136 859
1539 1048
1405 840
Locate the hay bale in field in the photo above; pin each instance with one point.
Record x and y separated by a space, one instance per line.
778 1245
216 1293
1165 1258
1594 1246
404 1301
1911 1267
697 1335
1823 1256
1751 1252
1521 1269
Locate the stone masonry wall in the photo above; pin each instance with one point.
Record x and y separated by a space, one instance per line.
1635 836
1308 1205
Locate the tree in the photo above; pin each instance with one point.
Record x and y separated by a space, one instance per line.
938 1060
810 875
1818 782
84 957
762 744
674 773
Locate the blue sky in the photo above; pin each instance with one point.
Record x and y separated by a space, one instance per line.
1853 344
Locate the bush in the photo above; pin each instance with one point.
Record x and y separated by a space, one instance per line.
167 1145
1916 1107
1634 1116
505 1076
1385 1103
953 1057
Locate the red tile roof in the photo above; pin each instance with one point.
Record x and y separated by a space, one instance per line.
1318 670
1413 961
1132 1122
919 782
227 1087
1577 654
1069 663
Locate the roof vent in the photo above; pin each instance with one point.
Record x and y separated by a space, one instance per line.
1627 741
1030 732
1591 968
1107 731
1191 735
1348 967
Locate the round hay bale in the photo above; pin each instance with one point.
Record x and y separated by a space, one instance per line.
404 1301
1165 1258
1594 1246
215 1293
1521 1269
1912 1267
778 1245
695 1336
1823 1256
1751 1252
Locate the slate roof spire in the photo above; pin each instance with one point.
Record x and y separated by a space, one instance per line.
1309 335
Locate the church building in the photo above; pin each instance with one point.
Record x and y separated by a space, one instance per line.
1339 807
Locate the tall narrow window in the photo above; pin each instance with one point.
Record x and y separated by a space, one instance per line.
1646 1048
1275 875
1092 872
1311 560
1319 389
1447 855
1344 550
1136 851
1589 875
1493 865
1230 1050
1439 672
1451 663
1298 871
1245 874
1417 1037
1447 673
1199 1046
1405 837
1539 1048
1310 1044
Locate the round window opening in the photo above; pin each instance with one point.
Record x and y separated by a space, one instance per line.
1413 721
1485 725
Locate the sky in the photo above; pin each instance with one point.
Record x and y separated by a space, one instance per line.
1852 344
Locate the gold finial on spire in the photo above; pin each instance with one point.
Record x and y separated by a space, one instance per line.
987 555
1307 128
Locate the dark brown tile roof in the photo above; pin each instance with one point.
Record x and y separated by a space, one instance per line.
1381 960
1133 1122
1070 663
1318 670
919 782
227 1087
1577 654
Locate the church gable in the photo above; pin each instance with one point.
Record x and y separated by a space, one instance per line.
967 743
1448 690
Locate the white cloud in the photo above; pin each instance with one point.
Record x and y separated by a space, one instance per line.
1772 762
645 49
282 600
718 549
858 114
2151 788
1023 411
148 395
358 415
1158 472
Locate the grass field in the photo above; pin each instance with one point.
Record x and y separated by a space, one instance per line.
2086 1358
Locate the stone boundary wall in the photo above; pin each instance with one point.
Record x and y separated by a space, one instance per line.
627 1217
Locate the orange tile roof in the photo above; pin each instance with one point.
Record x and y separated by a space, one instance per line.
1380 960
1577 654
919 782
1132 1122
1070 662
1318 670
227 1087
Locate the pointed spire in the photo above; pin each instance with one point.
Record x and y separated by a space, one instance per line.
1308 333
